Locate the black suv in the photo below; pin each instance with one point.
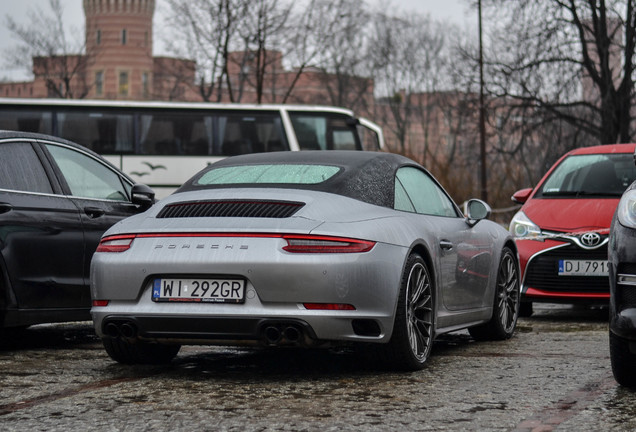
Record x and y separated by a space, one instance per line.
622 278
56 200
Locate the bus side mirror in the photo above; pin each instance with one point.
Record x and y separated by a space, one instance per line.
142 196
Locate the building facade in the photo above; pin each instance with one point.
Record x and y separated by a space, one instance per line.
117 63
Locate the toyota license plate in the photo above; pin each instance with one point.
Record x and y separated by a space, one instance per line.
199 290
583 268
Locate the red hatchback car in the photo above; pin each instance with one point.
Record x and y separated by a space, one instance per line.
563 226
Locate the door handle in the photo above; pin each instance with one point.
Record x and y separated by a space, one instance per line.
5 207
94 212
446 245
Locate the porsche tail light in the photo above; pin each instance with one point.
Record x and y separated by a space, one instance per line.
325 244
329 306
295 243
116 243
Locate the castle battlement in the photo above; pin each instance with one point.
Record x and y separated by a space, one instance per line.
100 7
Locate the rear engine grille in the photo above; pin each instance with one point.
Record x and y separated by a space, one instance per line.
542 272
231 208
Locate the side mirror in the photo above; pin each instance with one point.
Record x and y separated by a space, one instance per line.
142 196
476 210
521 196
352 121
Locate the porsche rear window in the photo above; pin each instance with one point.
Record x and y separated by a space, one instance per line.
269 173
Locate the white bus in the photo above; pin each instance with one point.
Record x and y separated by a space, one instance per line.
162 144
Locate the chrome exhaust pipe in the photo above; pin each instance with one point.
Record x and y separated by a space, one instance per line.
272 335
111 329
292 334
128 330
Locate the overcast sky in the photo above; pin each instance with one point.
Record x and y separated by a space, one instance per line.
456 11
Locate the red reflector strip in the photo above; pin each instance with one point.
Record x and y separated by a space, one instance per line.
100 303
533 292
328 306
206 234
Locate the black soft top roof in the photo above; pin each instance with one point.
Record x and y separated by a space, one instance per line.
365 176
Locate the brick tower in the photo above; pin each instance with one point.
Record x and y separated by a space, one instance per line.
119 45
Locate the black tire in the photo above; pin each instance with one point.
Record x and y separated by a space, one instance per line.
413 330
506 303
4 292
130 353
525 309
623 361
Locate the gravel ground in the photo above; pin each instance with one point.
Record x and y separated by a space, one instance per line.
554 374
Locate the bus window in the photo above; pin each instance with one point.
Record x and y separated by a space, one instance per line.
241 134
138 137
320 132
175 134
344 140
102 132
369 138
26 121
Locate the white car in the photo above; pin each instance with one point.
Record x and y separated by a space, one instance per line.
304 248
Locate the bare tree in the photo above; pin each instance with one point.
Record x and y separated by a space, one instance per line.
46 50
571 60
339 35
402 49
206 30
240 45
265 26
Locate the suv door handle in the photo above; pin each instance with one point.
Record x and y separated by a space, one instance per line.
446 245
5 207
94 212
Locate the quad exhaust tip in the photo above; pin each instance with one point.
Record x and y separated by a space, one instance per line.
125 329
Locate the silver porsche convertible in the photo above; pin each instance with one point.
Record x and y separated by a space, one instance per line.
304 248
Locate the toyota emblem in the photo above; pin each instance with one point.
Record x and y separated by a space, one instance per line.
590 239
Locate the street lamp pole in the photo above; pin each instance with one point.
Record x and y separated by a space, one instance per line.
482 116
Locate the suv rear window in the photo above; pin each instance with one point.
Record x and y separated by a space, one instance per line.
20 169
268 173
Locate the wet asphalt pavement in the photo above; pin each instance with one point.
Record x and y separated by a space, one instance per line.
554 374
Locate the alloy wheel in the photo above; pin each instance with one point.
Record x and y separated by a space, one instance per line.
419 313
508 293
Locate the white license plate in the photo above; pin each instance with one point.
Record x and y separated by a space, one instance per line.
199 290
583 268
